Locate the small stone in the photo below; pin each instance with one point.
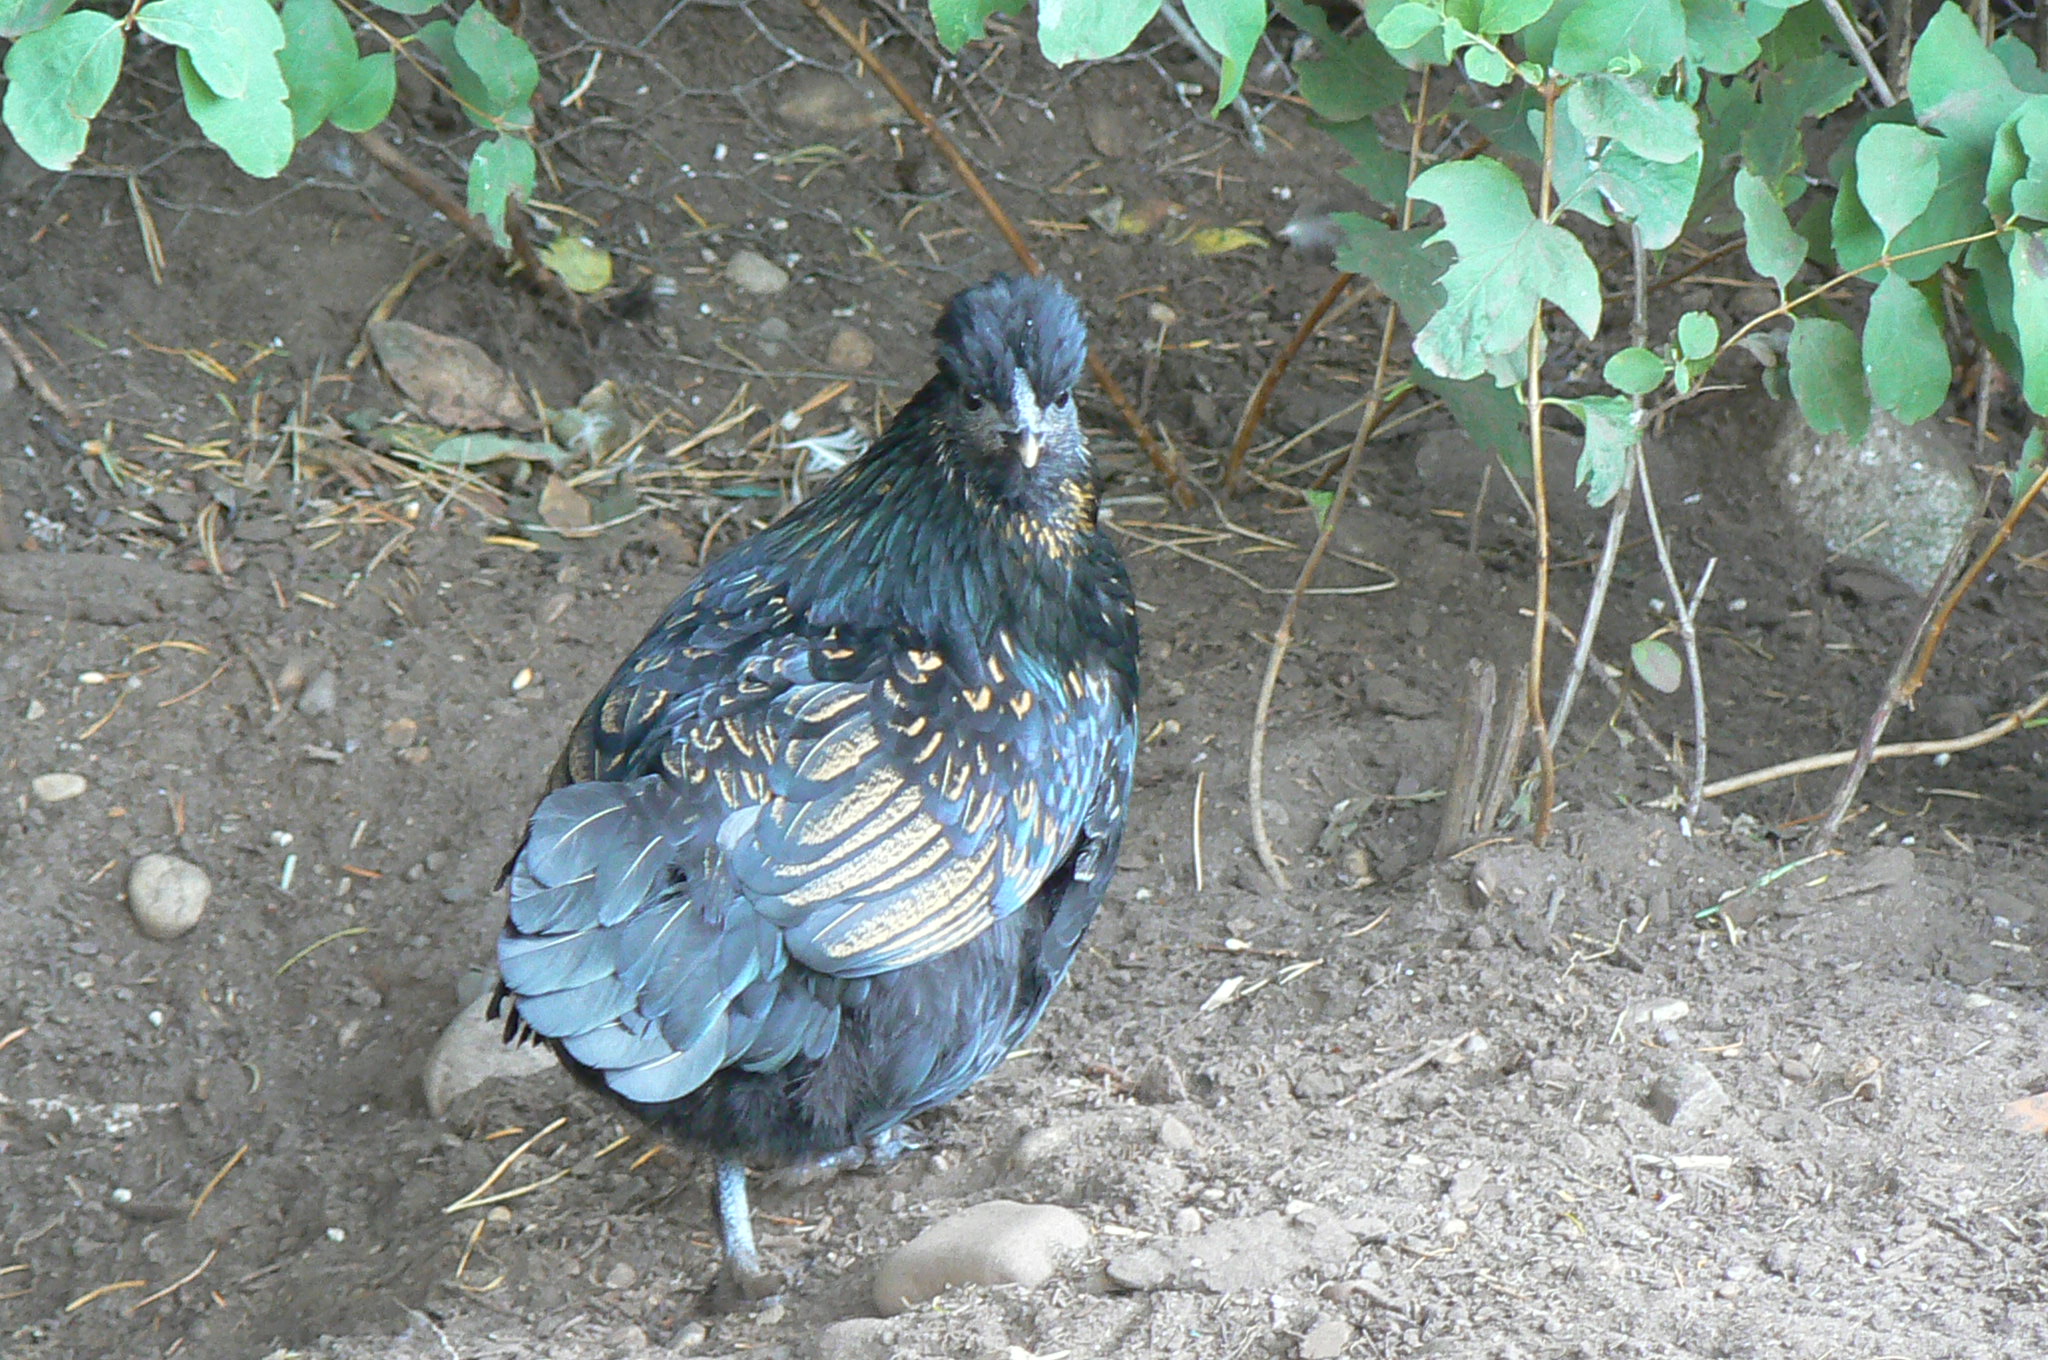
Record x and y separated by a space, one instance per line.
1793 1069
1175 1136
1661 1010
1326 1340
167 895
772 334
57 788
1040 1145
35 711
754 273
472 1051
825 101
694 1334
1687 1096
621 1276
850 350
1187 1221
399 733
857 1338
1782 1259
319 697
1110 129
1140 1268
999 1242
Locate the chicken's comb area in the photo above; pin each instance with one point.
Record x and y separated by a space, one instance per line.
1013 321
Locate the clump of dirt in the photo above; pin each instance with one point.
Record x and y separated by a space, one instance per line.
1631 1093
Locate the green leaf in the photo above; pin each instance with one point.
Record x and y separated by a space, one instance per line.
1658 664
1406 25
1775 250
1716 37
232 43
961 22
1320 502
502 169
1487 66
1634 370
1957 85
1827 376
1495 17
1661 130
318 61
1629 37
1508 264
471 450
408 6
1657 198
1699 335
505 70
2027 470
2018 178
1492 415
1987 301
58 78
1401 264
255 130
1955 211
2028 259
1611 438
367 101
26 16
1352 79
1895 175
1089 30
1377 168
1232 28
1905 355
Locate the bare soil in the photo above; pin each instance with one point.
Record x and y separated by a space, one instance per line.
1408 1108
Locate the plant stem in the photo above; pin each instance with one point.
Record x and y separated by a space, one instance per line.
1546 801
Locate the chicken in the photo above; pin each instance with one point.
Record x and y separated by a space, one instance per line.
820 852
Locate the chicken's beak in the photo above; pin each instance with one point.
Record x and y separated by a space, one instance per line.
1027 449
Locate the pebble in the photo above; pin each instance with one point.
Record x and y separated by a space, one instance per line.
57 788
754 273
621 1276
857 1338
1326 1340
1661 1010
999 1242
1187 1220
35 711
1040 1145
1176 1136
850 350
1687 1096
472 1051
774 333
1140 1268
827 102
167 895
317 700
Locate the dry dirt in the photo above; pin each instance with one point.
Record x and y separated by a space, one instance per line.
1405 1109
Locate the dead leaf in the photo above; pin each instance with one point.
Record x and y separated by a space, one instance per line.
584 267
1223 240
452 381
2028 1114
562 506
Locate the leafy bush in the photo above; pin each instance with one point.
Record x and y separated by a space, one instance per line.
1661 118
259 79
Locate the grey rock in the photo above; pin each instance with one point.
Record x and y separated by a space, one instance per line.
472 1051
1914 480
321 694
751 272
167 895
1687 1096
1175 1135
860 1338
1327 1339
998 1242
59 787
1140 1268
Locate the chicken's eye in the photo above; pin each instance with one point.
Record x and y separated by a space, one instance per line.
1059 403
970 401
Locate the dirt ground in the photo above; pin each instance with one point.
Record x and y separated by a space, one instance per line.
1528 1103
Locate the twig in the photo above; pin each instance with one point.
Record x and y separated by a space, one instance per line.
218 1177
1862 51
1283 635
1962 588
1170 11
1546 753
1895 683
1437 1054
474 1197
30 374
175 1285
442 200
1688 636
1262 395
1834 760
1475 739
1176 480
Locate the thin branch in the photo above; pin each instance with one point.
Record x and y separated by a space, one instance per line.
1862 50
1962 588
1176 480
33 376
1546 753
1262 395
1283 636
1684 610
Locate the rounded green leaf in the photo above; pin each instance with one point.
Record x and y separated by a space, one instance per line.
1495 17
1827 376
408 6
58 78
1486 66
26 16
1699 335
1775 250
1896 175
960 22
1629 37
371 90
232 43
1658 664
2028 261
1905 355
1405 25
254 129
504 66
502 169
1089 30
1635 371
1232 28
318 61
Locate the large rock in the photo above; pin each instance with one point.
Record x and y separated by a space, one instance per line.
1000 1242
1895 499
472 1051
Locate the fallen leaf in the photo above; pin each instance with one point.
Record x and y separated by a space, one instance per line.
1223 240
2028 1114
583 267
452 381
562 506
468 450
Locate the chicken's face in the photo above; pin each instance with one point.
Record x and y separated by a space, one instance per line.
1013 349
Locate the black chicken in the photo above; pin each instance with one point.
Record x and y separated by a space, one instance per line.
822 849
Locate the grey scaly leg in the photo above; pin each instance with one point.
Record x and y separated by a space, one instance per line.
736 1230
